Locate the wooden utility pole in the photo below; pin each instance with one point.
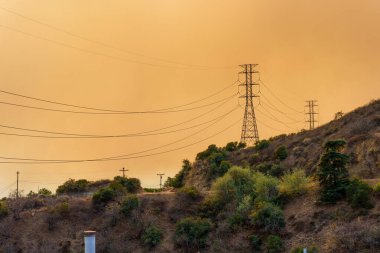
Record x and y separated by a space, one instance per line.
160 179
123 170
17 184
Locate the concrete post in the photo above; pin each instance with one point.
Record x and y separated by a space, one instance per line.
89 242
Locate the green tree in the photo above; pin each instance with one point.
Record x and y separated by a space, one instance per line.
178 180
129 203
281 153
152 236
333 174
192 232
44 192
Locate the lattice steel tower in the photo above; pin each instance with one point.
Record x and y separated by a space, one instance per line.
249 132
311 104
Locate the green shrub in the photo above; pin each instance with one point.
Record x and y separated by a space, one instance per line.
211 207
190 193
266 187
274 244
255 242
359 194
44 192
294 183
281 153
103 196
152 236
192 232
236 220
234 185
263 144
267 216
4 211
234 146
205 154
124 184
269 169
73 186
129 203
62 209
376 189
178 180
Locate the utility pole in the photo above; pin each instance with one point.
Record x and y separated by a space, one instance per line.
249 132
123 170
17 184
160 179
310 114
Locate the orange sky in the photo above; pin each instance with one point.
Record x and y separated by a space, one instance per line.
324 50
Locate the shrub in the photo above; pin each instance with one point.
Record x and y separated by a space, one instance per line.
293 183
274 244
376 189
103 196
255 242
236 220
123 184
152 236
263 144
211 207
192 232
359 194
62 209
281 153
234 146
44 192
332 174
234 185
223 168
267 216
205 154
73 186
270 169
129 203
178 180
3 209
266 187
190 193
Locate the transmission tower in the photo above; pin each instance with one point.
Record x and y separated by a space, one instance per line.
310 113
249 132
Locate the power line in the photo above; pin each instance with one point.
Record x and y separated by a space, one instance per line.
117 111
274 95
270 127
7 187
108 45
113 113
37 161
276 120
275 108
103 136
118 58
137 133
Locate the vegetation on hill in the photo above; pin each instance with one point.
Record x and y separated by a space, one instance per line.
307 190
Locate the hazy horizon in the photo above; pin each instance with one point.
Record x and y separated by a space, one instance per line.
145 55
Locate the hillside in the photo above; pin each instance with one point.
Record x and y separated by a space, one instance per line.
128 219
359 128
